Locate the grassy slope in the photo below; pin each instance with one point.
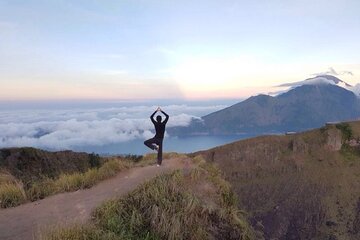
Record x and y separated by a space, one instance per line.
30 164
194 204
14 192
298 186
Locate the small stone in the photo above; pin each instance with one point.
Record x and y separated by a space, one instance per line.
330 223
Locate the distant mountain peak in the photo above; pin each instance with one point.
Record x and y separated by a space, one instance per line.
334 79
318 80
305 105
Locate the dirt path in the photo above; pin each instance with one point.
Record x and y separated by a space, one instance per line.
26 221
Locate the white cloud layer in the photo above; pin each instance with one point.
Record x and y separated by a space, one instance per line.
62 129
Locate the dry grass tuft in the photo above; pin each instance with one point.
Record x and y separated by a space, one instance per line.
11 195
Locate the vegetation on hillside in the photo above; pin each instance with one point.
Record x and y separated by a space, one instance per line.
29 165
190 204
13 193
346 130
297 186
75 181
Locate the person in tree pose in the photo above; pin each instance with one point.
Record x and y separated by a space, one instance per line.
156 142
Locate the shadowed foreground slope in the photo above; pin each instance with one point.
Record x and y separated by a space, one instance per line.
189 204
194 202
25 221
301 186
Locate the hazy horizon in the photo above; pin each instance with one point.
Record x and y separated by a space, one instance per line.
172 49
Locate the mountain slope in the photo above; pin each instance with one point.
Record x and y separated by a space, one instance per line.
301 108
302 186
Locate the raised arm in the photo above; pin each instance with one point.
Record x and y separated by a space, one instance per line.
166 117
152 117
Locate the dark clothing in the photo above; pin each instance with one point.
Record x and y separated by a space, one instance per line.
158 141
159 126
159 136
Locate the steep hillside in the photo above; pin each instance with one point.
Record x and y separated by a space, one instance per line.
300 186
304 107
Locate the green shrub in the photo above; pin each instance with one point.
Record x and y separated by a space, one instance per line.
346 130
94 160
11 195
350 153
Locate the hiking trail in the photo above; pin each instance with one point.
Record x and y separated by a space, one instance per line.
26 221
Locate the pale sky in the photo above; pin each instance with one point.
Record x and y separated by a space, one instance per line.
145 49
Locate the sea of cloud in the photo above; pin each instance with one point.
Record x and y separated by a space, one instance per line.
63 129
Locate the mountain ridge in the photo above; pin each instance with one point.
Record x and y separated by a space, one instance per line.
301 108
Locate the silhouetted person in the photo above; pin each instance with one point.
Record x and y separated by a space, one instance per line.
156 142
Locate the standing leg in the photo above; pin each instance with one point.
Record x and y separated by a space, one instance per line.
149 143
159 156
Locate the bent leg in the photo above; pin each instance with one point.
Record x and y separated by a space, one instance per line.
149 143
